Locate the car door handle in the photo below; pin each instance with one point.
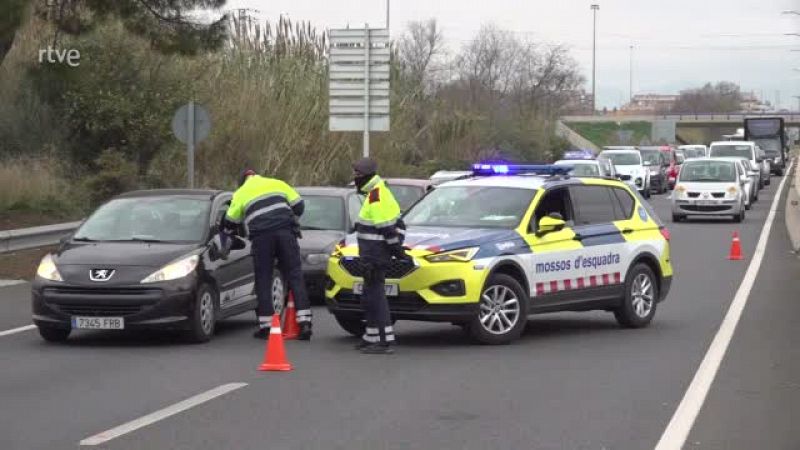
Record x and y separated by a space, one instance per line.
627 231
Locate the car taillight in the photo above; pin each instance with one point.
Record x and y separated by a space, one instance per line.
665 233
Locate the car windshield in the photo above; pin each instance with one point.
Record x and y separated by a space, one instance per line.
694 153
624 159
323 212
651 157
406 195
471 206
168 219
770 146
584 170
708 171
731 150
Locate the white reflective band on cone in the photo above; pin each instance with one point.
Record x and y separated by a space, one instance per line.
275 330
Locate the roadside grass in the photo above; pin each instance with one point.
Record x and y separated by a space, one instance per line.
606 133
34 187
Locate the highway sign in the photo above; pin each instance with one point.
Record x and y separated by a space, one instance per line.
191 124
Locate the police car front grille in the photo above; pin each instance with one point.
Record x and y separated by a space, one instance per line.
396 269
405 302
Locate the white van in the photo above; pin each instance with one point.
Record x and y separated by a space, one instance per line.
740 149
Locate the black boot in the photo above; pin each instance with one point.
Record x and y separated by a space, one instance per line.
378 348
362 344
305 331
262 333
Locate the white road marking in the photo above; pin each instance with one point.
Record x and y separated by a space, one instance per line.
161 414
17 330
680 426
7 283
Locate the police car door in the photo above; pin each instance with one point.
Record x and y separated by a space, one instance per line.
601 263
550 264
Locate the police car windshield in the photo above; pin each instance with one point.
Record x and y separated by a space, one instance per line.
624 159
323 212
148 219
471 206
708 171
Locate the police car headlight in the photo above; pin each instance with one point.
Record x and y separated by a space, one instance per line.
174 270
47 269
460 255
316 258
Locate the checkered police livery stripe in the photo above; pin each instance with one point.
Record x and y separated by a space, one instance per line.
550 287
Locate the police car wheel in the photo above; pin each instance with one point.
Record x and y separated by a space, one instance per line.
502 312
204 316
354 326
641 296
52 334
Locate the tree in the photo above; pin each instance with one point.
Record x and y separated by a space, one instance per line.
419 50
167 24
722 97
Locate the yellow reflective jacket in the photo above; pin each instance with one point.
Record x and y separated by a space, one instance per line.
379 218
264 204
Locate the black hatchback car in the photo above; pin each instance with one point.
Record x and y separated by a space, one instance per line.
145 259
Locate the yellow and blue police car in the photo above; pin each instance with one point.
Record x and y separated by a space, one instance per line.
514 240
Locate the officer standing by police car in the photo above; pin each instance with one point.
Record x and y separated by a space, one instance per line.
268 210
380 233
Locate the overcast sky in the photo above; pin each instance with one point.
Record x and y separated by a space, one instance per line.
677 43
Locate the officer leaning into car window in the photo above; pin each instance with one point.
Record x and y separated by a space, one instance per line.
380 233
268 210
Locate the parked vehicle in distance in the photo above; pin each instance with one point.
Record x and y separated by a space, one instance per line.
408 190
741 149
769 133
709 187
145 260
749 180
694 151
754 174
765 165
630 163
603 168
330 213
657 165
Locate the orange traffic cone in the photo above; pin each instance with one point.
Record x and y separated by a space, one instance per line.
275 354
290 327
736 248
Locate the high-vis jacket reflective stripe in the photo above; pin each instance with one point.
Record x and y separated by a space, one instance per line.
378 218
264 204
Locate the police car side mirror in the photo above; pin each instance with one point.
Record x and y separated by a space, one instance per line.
549 224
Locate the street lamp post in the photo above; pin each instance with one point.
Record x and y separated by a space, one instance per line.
594 7
630 78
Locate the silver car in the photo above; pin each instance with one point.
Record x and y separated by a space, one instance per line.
710 187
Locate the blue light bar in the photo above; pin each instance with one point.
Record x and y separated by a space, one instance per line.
516 169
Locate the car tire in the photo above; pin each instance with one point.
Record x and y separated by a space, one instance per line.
279 291
204 315
677 218
779 172
646 193
739 218
768 181
640 299
52 334
491 324
354 326
748 205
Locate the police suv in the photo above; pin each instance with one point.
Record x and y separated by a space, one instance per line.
516 240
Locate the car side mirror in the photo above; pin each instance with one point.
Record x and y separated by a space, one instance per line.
550 223
624 177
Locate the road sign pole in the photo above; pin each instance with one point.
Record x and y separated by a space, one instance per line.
366 91
190 145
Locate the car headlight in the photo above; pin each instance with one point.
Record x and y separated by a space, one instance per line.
47 269
733 191
777 160
460 255
174 270
317 258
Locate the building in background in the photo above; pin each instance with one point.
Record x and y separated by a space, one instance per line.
649 104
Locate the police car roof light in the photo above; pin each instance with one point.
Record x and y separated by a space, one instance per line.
517 169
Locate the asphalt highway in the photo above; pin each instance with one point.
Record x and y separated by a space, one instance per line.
574 381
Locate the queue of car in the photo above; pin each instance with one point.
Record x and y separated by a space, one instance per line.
147 259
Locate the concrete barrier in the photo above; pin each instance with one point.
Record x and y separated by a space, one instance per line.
792 210
26 238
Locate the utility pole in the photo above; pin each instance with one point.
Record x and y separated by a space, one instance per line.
630 78
387 14
594 7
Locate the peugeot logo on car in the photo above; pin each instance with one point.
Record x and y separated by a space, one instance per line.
101 274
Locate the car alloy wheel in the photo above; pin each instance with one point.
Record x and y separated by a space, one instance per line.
278 292
499 309
207 312
642 295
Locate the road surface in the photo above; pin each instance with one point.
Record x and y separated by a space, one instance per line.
574 381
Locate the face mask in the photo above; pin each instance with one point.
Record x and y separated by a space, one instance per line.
361 181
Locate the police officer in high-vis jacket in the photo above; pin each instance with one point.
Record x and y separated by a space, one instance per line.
268 209
380 234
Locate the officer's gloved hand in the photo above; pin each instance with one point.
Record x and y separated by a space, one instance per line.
399 252
222 244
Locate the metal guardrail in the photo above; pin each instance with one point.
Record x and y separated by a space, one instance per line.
26 238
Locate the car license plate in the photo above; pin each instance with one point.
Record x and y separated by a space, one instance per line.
706 202
98 323
391 290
